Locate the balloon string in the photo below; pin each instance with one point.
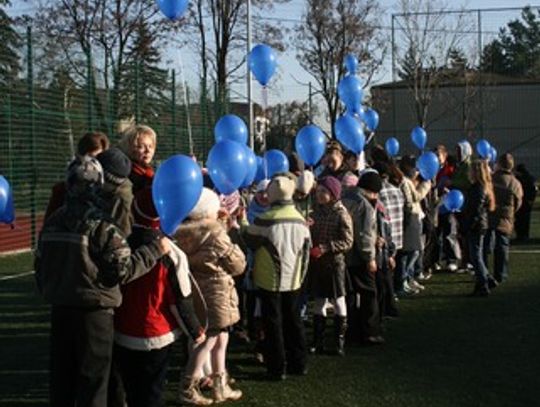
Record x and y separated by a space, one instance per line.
265 97
186 103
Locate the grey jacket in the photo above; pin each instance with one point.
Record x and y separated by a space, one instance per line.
364 217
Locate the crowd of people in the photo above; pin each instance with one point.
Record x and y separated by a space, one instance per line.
347 239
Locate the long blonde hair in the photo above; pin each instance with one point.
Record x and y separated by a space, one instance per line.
480 173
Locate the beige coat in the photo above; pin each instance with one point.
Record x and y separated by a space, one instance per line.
214 260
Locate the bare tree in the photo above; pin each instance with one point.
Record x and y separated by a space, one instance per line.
427 36
330 30
217 35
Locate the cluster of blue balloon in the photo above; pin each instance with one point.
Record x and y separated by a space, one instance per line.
348 127
486 151
7 210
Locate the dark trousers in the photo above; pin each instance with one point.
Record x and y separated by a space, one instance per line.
388 295
143 374
449 233
366 320
81 350
285 339
522 224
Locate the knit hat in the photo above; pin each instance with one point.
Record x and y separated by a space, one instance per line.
208 204
115 162
144 211
465 149
296 164
281 188
262 186
333 186
349 180
305 182
84 174
370 181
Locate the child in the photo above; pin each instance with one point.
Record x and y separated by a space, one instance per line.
332 236
214 261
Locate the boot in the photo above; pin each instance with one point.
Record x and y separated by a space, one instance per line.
191 394
340 329
222 390
319 325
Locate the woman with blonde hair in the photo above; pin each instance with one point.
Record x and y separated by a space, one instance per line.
139 142
480 200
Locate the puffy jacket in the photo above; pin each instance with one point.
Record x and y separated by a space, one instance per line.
364 219
82 257
214 260
281 240
118 196
475 214
508 198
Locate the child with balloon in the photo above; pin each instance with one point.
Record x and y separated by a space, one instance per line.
214 261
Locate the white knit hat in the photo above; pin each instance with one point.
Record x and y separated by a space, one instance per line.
208 204
305 182
281 188
262 186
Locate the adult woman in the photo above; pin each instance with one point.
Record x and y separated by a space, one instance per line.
480 200
139 144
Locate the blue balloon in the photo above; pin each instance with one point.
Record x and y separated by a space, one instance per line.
276 161
7 209
176 189
350 92
419 137
310 144
351 64
493 155
251 162
483 148
349 133
173 9
261 170
428 165
227 166
371 118
392 146
262 62
231 127
453 200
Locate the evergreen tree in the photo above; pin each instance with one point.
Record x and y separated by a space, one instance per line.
9 42
516 51
143 77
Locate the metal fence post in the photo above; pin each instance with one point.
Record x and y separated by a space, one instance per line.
173 110
31 119
394 114
89 101
9 136
480 81
310 104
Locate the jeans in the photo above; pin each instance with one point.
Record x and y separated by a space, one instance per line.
501 256
81 353
448 226
285 341
476 247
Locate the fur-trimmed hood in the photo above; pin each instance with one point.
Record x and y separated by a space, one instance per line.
192 235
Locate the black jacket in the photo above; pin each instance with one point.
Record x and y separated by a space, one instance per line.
475 215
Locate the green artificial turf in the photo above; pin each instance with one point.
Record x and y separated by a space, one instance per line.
445 349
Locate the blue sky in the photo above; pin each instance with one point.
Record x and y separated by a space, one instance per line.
286 86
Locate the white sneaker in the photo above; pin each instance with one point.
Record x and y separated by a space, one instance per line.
409 289
452 267
415 284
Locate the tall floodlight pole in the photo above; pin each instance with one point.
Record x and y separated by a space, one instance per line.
250 102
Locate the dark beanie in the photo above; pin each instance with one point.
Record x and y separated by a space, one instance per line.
370 181
296 164
115 162
333 186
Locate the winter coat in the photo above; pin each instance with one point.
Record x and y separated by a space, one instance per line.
333 230
508 198
364 220
214 260
82 257
117 196
475 214
384 230
281 242
413 213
